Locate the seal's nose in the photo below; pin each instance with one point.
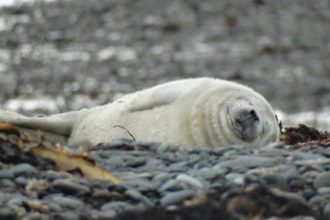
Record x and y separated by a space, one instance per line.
254 115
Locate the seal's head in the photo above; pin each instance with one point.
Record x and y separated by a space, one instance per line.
252 121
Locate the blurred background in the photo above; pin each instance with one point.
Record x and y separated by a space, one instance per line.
62 55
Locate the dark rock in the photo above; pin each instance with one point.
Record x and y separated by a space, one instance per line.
70 187
8 214
276 180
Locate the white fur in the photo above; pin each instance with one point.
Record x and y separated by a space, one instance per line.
188 113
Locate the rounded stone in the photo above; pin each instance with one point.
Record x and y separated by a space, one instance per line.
6 174
8 214
71 203
70 187
190 181
116 206
176 197
247 162
322 180
138 196
326 211
24 169
276 180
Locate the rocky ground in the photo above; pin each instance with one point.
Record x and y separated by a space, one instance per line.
289 180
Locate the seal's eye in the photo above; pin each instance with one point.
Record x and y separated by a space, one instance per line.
254 115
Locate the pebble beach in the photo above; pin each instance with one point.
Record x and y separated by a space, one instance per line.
280 181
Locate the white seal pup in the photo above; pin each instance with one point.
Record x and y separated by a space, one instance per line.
188 113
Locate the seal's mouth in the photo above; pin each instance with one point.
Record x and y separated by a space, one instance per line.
244 121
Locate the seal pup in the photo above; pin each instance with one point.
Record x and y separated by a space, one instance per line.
188 113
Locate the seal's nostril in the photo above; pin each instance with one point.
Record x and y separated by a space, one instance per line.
254 115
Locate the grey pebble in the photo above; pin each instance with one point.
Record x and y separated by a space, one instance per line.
141 185
161 177
137 162
170 185
315 200
189 180
139 197
306 156
116 206
321 161
178 164
322 180
17 201
21 181
107 214
276 180
6 185
4 196
8 214
115 162
208 174
67 216
6 174
176 197
295 197
23 169
70 187
233 176
323 190
54 207
51 175
102 193
66 202
247 162
326 211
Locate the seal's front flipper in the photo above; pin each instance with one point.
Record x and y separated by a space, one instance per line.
160 95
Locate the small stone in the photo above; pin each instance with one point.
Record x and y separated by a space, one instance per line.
8 214
23 169
21 181
116 206
6 174
67 216
54 207
232 176
170 185
326 211
70 203
139 197
70 187
322 180
315 200
51 175
276 180
247 162
137 162
161 177
189 180
323 190
6 185
19 201
176 197
308 193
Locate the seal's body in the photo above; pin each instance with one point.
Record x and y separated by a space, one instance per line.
188 113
